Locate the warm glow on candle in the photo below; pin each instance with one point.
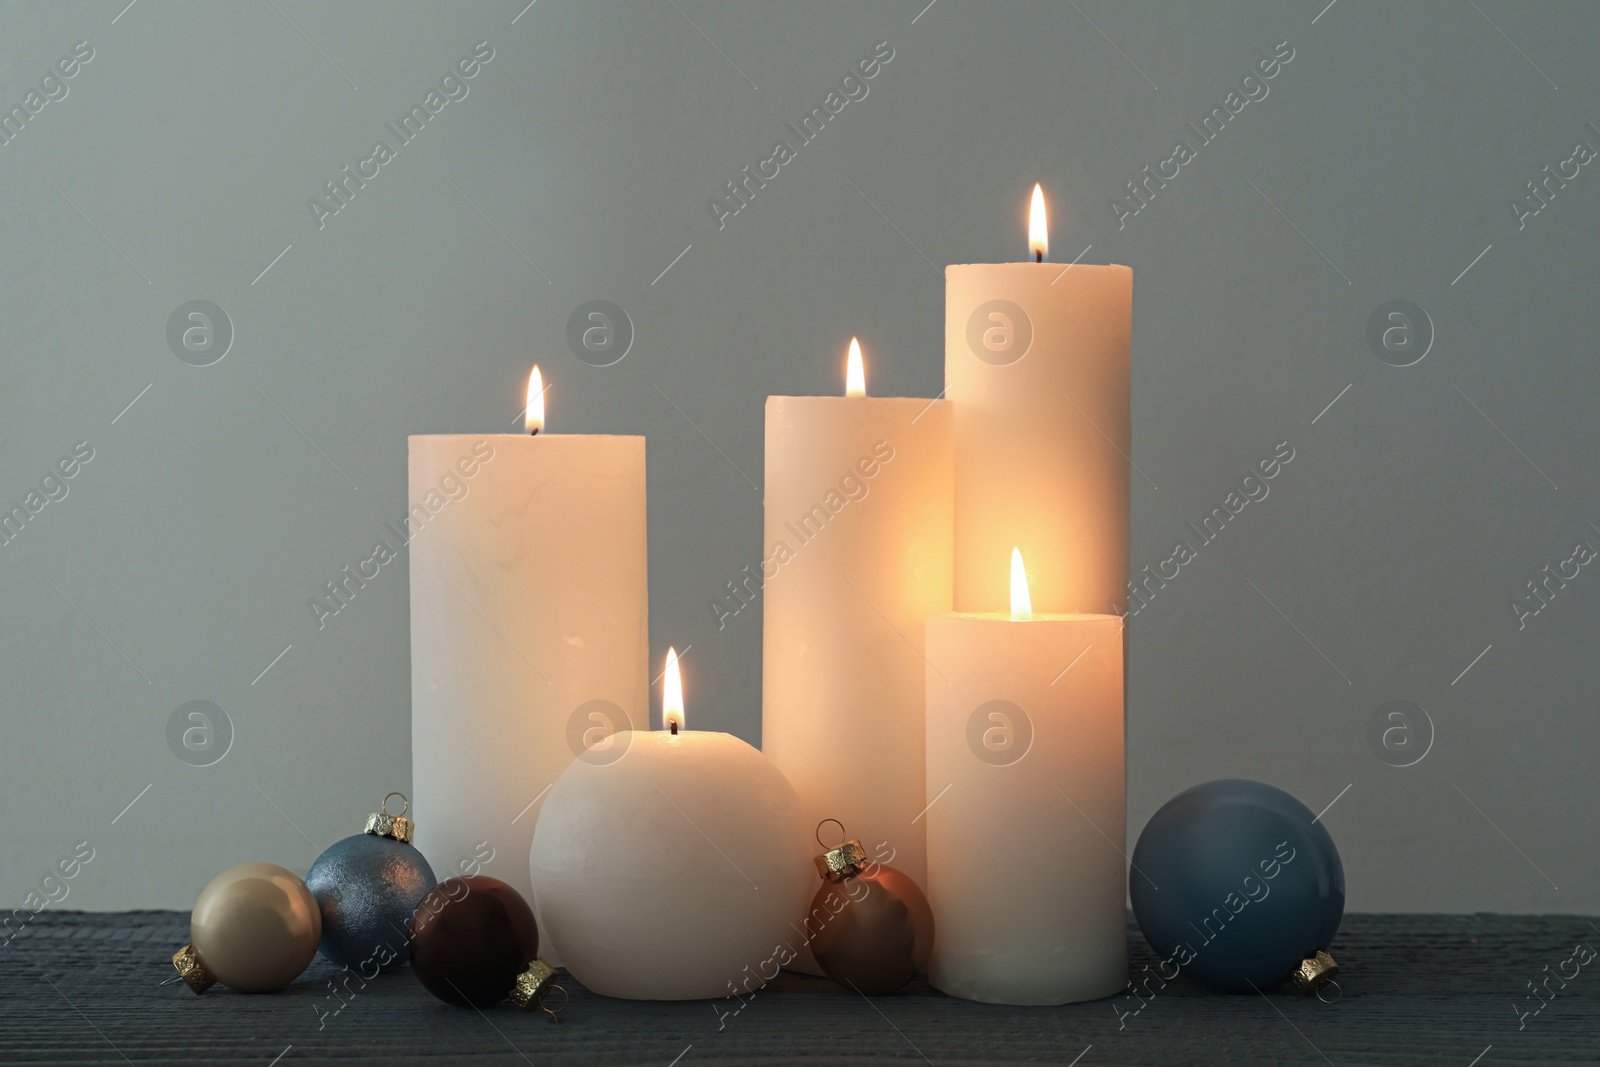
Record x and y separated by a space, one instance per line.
533 414
1038 227
672 694
1021 602
855 375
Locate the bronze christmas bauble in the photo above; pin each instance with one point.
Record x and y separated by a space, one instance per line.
470 940
874 929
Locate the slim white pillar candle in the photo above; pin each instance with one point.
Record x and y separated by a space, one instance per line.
858 504
529 631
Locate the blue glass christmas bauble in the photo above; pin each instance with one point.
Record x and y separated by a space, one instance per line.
1234 884
367 886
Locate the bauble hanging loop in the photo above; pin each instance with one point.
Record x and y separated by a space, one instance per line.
817 833
382 824
534 985
1314 973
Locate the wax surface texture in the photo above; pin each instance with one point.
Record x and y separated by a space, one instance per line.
529 629
1026 873
673 871
857 549
1036 370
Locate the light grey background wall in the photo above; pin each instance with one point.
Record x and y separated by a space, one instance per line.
579 166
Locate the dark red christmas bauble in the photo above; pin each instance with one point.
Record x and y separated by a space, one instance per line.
874 929
470 938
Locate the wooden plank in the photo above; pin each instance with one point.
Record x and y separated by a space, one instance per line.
79 988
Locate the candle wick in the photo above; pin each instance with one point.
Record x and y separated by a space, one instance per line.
1038 256
534 432
674 725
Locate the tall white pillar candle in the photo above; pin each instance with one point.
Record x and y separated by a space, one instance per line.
1026 829
1036 369
857 553
529 634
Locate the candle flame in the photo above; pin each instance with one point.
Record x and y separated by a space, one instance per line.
1021 602
1038 227
672 694
855 375
533 414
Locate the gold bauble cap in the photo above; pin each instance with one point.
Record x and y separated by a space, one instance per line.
382 824
192 969
533 985
1314 973
841 861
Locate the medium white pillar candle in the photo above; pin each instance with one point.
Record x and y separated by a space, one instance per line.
529 634
1036 369
1026 833
674 871
858 513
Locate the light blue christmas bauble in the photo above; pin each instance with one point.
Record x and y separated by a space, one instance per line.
368 886
1234 883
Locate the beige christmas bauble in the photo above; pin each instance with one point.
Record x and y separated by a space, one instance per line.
256 927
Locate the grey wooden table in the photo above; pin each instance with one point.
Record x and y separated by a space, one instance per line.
81 988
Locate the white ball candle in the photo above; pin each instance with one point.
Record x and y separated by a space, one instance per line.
671 871
1026 868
